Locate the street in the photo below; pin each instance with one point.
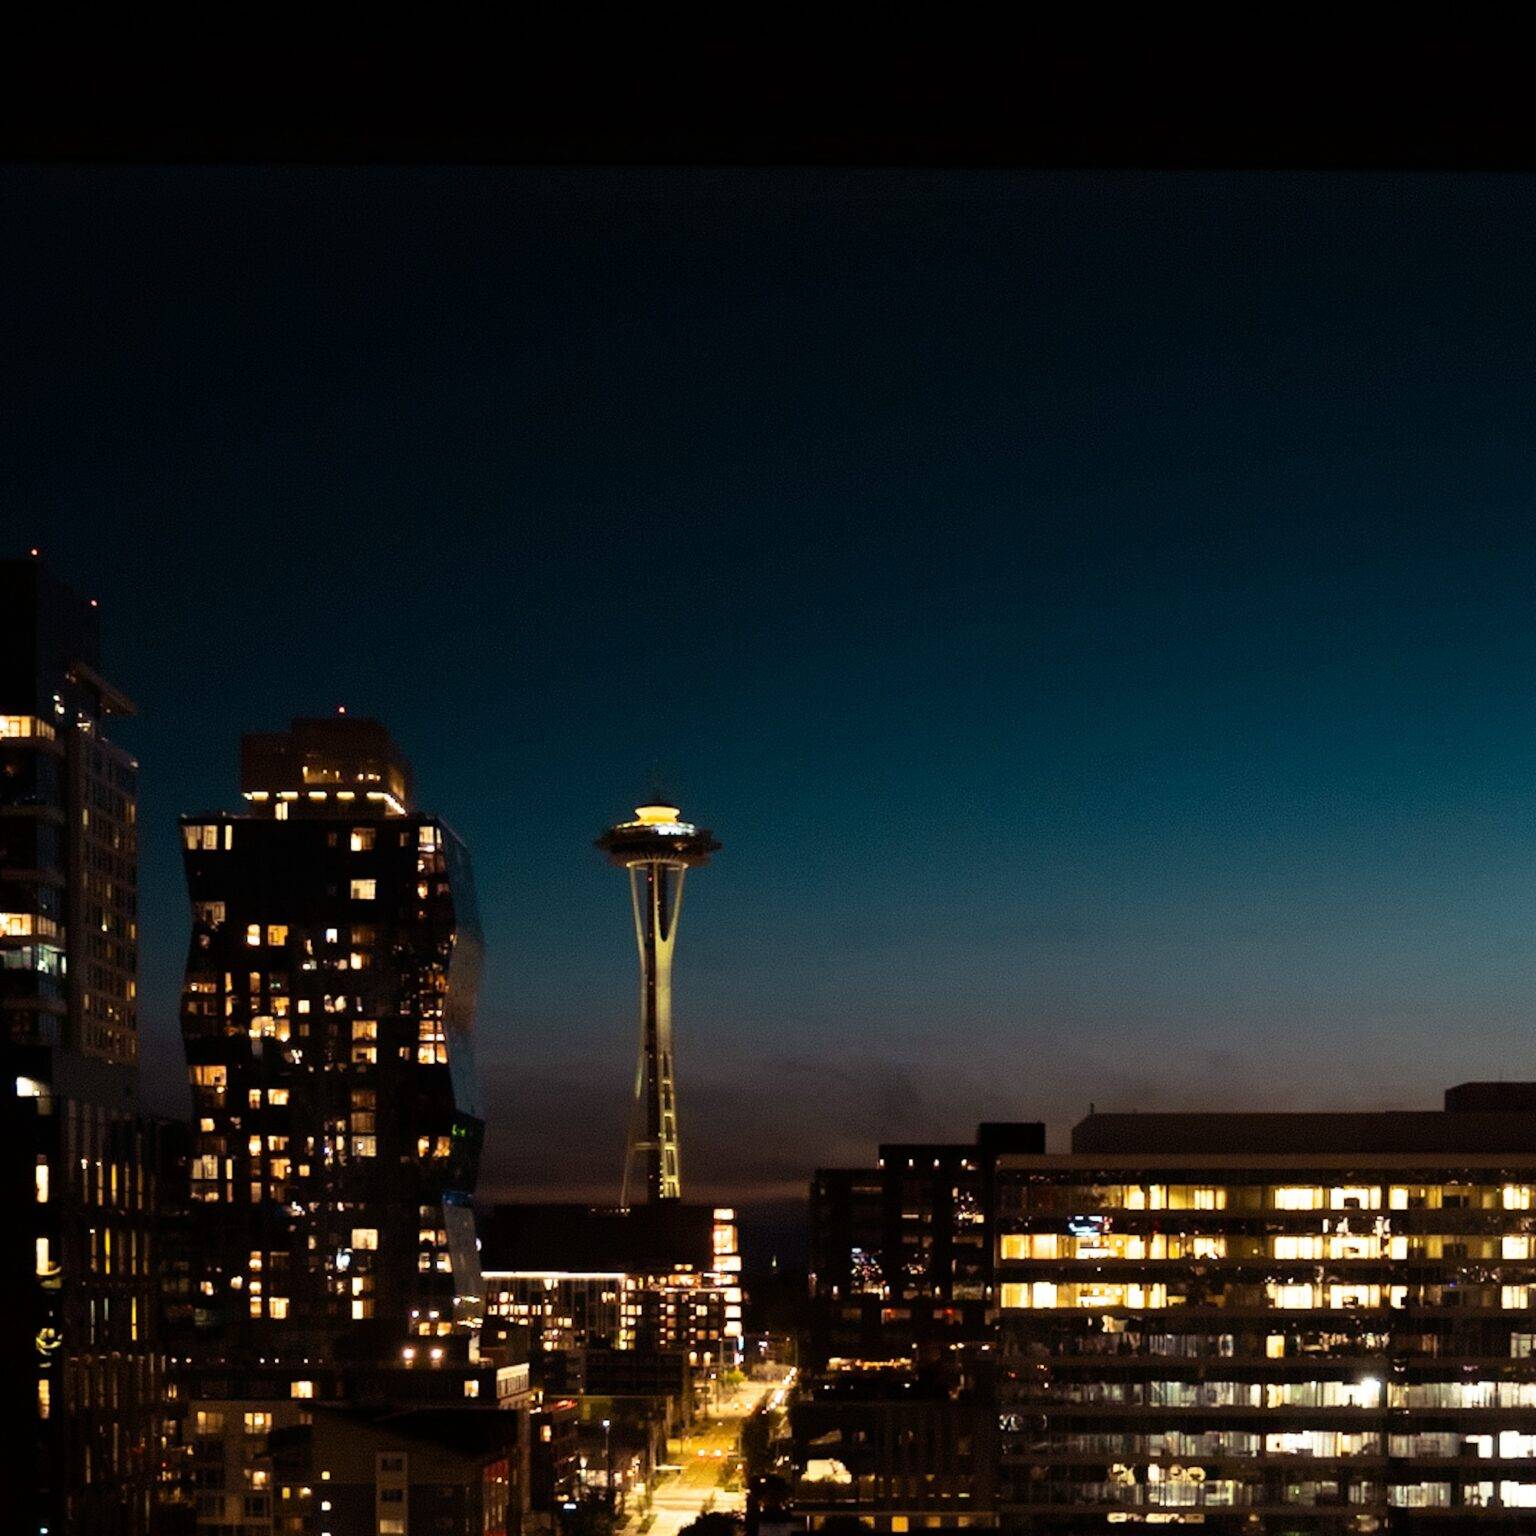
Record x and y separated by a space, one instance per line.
708 1459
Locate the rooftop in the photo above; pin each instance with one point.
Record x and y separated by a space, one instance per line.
317 762
1478 1118
585 1239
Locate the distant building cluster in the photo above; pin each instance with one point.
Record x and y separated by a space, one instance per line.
286 1314
274 1317
663 1277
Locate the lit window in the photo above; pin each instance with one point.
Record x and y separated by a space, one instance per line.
1355 1197
277 933
1022 1246
42 1181
1291 1296
1298 1199
1306 1246
364 890
471 1388
25 725
302 1389
277 1306
362 839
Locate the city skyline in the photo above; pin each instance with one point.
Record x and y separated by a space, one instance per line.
1152 648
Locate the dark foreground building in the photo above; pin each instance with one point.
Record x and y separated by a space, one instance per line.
901 1254
896 1451
447 1472
327 1015
84 1370
893 1421
1272 1322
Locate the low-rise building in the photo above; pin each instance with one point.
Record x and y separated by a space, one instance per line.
453 1471
660 1280
896 1450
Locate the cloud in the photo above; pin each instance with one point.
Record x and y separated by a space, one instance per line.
753 1134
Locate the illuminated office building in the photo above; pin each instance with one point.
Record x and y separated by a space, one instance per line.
327 1014
658 850
1274 1322
84 1370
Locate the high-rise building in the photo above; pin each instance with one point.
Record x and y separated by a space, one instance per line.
658 849
1274 1322
84 1371
327 1014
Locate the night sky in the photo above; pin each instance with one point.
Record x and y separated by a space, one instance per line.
1095 612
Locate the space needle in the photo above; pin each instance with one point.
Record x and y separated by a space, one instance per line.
658 849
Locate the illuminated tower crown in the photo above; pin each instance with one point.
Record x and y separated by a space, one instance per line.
657 849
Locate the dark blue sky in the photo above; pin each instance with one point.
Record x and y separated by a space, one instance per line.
1094 611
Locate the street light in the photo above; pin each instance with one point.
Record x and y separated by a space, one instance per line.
608 1461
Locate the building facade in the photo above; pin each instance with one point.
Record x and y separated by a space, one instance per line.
447 1471
1286 1323
85 1375
902 1253
653 1279
875 1444
327 1016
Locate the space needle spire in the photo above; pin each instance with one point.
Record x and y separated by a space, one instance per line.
658 849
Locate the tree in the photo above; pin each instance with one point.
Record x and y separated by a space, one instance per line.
591 1517
714 1522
